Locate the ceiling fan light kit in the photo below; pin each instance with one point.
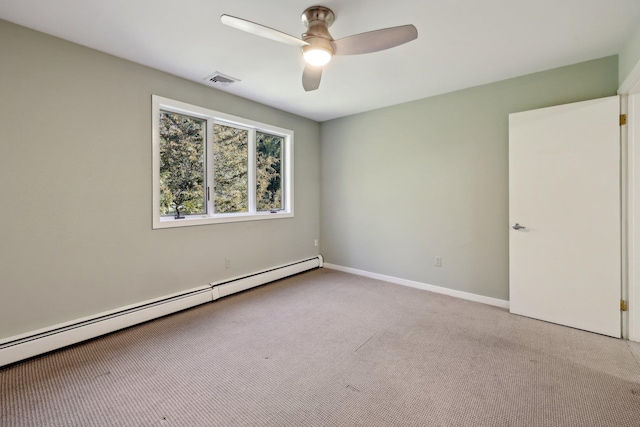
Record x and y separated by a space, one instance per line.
316 56
318 47
318 52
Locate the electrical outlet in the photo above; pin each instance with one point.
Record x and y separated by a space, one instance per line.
227 263
437 261
315 243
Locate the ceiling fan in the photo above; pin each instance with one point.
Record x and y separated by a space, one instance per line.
318 47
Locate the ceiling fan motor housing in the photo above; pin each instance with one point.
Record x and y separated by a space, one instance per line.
316 14
318 19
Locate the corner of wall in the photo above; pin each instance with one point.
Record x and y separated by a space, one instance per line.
629 56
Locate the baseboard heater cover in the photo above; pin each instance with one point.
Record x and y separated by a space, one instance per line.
24 346
45 340
239 284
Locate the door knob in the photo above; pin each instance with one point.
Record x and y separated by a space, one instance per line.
517 226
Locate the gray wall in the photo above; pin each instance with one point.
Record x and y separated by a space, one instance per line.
629 55
405 183
75 173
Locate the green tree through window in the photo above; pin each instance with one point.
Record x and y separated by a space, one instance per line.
231 169
211 167
269 177
182 166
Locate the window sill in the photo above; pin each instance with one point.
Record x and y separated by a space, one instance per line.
170 222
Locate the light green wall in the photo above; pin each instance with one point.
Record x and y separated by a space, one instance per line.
629 55
403 184
75 174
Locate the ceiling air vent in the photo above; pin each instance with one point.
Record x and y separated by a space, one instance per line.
219 79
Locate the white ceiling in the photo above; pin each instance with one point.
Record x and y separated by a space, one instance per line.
461 43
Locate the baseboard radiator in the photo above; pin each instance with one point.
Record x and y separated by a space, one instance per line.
24 346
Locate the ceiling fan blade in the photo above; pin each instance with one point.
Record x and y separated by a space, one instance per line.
375 41
261 30
311 77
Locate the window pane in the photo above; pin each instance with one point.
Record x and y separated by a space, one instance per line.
269 171
231 169
182 166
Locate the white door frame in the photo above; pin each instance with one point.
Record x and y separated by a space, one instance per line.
630 137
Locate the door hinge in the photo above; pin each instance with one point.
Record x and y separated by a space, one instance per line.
623 119
623 305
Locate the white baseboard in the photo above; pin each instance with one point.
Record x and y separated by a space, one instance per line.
24 346
426 287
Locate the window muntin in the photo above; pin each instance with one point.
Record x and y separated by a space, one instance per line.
244 168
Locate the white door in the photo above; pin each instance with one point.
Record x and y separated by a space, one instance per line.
564 189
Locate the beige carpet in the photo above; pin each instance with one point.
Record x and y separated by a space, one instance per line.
326 348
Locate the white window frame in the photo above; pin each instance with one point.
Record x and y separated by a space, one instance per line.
165 104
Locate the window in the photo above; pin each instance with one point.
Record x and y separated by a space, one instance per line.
210 167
